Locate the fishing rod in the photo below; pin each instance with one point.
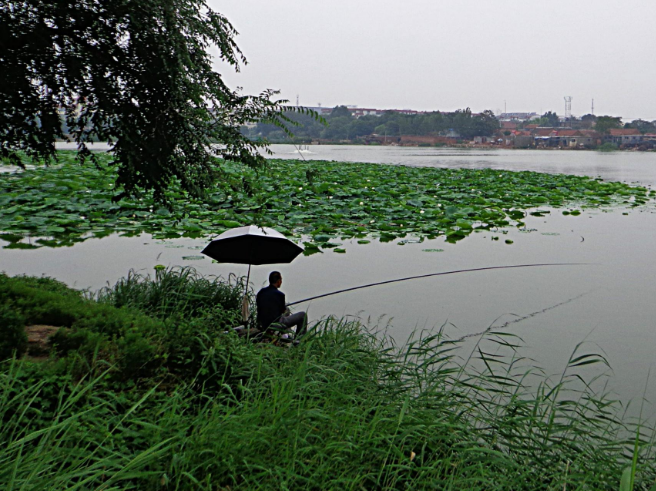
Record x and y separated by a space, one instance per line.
487 268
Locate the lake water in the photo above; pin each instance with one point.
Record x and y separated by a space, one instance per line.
610 303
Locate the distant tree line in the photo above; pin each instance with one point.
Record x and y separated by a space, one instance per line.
602 124
340 124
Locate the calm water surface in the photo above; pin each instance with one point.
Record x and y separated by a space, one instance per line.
609 303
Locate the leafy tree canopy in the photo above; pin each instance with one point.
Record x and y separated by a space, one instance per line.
341 125
552 119
136 74
606 123
340 112
538 121
642 126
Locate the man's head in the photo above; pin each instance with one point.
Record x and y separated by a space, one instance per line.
275 279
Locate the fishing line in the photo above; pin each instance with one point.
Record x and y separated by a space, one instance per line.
520 319
488 268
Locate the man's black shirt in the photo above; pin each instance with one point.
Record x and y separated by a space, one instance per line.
270 305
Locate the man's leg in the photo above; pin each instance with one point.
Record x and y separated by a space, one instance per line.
298 320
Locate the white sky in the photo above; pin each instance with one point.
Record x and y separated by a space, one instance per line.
447 55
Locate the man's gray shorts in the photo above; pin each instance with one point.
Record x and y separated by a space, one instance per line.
298 320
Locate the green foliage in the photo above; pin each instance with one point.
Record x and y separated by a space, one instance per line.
41 300
642 126
550 119
13 340
347 200
344 410
137 74
340 112
604 124
607 147
542 121
179 404
175 291
140 328
341 125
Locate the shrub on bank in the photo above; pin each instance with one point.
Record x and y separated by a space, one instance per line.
176 291
607 147
13 340
42 300
142 327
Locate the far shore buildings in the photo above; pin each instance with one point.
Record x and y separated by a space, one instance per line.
547 137
358 112
624 137
514 131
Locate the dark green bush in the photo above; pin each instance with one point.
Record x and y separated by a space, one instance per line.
44 284
42 300
12 333
138 356
81 341
112 321
143 325
607 147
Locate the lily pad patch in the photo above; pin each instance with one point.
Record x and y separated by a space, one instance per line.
70 203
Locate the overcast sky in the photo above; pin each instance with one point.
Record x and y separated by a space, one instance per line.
447 55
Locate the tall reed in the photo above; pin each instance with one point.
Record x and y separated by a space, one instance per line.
344 410
176 290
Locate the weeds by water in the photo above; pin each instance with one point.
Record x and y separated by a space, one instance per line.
174 291
346 409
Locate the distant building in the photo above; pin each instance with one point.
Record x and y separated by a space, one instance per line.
517 116
358 112
565 138
624 137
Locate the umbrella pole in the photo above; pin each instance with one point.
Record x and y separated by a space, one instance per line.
248 277
245 310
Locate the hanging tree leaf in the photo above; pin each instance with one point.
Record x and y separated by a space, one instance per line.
136 74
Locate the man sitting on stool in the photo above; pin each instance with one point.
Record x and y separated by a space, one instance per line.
271 307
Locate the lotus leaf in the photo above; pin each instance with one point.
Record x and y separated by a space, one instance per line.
66 204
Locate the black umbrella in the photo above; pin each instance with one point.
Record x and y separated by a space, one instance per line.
252 245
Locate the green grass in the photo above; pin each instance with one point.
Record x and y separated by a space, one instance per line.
175 291
320 202
607 147
346 409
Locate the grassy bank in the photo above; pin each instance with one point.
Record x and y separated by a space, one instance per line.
143 390
324 201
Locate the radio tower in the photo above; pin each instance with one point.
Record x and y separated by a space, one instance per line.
568 109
